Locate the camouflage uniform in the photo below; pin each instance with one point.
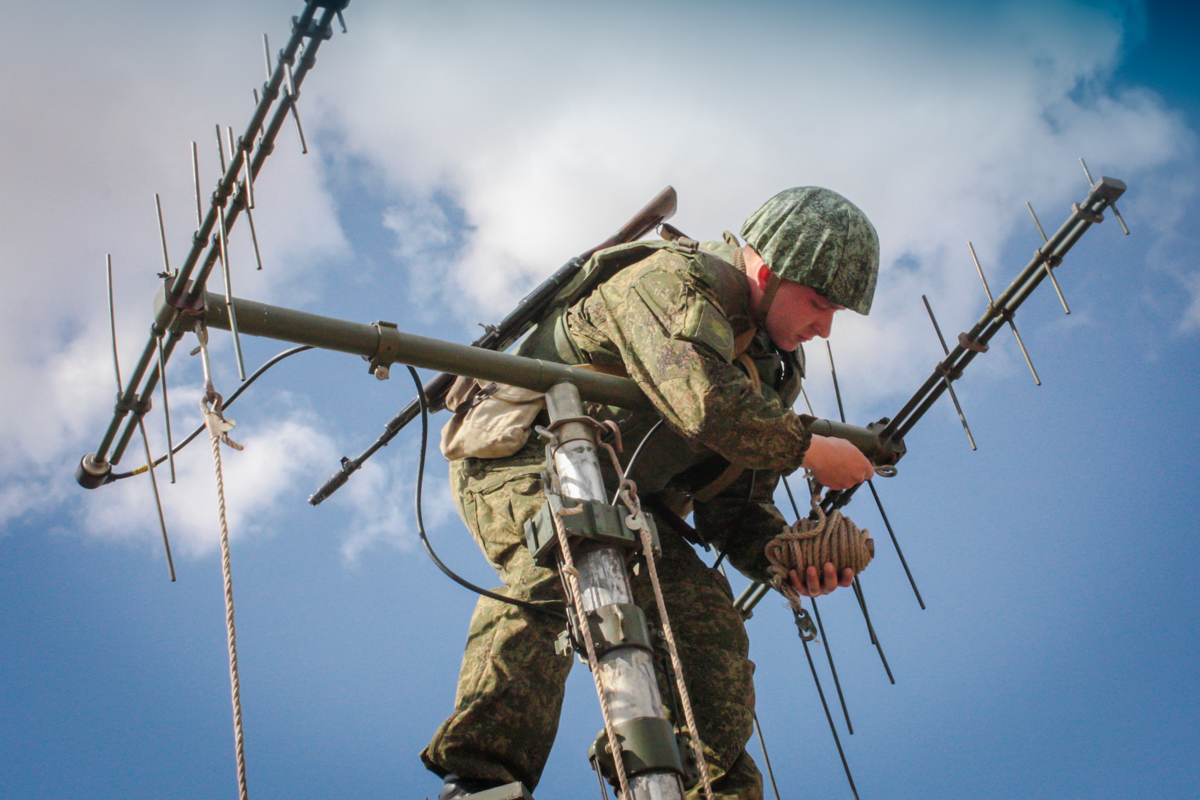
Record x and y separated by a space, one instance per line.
673 321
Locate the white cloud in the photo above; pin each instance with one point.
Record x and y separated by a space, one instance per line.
255 479
940 125
380 498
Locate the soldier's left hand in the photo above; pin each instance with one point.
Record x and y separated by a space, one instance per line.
815 584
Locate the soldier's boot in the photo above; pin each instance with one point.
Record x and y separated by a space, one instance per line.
457 788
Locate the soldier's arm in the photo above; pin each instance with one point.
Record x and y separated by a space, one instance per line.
674 341
743 518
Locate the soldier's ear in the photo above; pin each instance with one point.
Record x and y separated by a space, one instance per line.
763 276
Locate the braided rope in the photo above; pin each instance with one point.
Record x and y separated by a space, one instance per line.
830 538
637 519
218 431
576 593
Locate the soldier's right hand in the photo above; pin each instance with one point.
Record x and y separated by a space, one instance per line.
836 463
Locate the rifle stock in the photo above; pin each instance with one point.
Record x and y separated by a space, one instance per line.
500 337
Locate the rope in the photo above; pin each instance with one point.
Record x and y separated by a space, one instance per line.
637 520
576 596
218 432
830 538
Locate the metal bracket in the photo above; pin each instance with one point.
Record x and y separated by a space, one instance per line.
388 352
890 450
314 29
648 744
509 791
583 520
619 625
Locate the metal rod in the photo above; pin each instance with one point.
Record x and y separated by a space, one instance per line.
112 322
825 705
196 178
836 390
162 374
267 55
992 307
832 668
821 627
986 289
862 603
162 520
221 148
766 757
945 373
162 237
254 237
291 94
1049 270
807 404
233 326
896 544
1020 343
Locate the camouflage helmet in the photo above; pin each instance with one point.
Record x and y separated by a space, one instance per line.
818 238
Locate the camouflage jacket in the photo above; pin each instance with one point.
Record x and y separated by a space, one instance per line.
674 322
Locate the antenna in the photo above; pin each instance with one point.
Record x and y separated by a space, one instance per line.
184 290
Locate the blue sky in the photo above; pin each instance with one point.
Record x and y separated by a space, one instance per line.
460 152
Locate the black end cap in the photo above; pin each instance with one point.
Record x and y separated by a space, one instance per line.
92 475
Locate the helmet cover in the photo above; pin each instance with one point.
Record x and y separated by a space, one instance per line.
818 238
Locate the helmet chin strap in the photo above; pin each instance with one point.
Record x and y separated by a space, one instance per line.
768 295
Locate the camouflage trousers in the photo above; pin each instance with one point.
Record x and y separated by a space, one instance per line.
510 690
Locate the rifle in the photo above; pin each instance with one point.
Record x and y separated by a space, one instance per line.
500 337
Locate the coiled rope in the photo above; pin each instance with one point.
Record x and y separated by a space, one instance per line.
830 538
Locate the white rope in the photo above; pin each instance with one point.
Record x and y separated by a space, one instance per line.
576 595
637 521
218 432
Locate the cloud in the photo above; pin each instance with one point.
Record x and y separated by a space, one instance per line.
940 125
380 501
501 146
278 455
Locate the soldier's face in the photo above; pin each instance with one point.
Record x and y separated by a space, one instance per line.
799 314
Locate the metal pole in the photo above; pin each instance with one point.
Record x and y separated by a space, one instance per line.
625 674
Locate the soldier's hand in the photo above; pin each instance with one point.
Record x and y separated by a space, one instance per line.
836 463
815 584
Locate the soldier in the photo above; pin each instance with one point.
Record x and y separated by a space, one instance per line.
712 333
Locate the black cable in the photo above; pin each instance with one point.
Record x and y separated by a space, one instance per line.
226 404
421 521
